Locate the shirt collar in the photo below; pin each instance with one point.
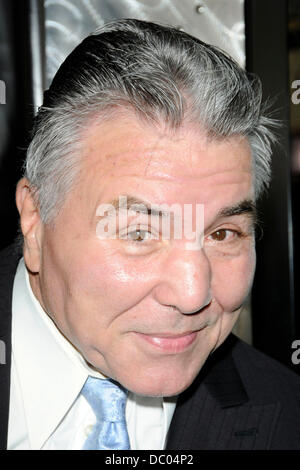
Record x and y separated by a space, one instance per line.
50 370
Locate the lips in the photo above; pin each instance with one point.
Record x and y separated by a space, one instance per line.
170 343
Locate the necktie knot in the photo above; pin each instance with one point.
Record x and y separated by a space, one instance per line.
108 401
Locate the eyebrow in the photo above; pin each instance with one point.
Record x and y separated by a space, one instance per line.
141 206
246 206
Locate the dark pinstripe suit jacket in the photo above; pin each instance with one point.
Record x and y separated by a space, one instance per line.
240 400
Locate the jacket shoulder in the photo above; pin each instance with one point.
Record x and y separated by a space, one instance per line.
264 375
9 258
268 381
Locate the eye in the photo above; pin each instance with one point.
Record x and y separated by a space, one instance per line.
139 235
140 242
224 235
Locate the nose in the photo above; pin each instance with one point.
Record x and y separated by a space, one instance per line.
185 281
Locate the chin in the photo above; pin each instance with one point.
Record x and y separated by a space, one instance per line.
165 384
162 376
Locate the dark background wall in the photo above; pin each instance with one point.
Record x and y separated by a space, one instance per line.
17 112
273 302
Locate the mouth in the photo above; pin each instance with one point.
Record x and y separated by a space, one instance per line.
170 343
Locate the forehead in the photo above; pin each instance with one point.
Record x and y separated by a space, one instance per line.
117 145
124 151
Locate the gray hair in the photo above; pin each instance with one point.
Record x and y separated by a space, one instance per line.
164 75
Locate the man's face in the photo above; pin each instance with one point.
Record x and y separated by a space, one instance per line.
148 312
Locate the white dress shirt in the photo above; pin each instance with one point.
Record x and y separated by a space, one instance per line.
47 374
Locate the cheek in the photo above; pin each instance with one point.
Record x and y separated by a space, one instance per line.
232 280
105 280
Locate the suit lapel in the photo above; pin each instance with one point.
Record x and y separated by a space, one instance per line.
8 265
216 413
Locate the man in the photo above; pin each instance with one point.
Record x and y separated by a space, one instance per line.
137 210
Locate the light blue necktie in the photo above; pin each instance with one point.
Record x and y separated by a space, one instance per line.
108 401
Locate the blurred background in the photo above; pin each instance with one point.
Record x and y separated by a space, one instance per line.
262 35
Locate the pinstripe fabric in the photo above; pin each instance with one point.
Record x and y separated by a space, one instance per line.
216 414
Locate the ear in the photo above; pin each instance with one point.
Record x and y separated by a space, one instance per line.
31 225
